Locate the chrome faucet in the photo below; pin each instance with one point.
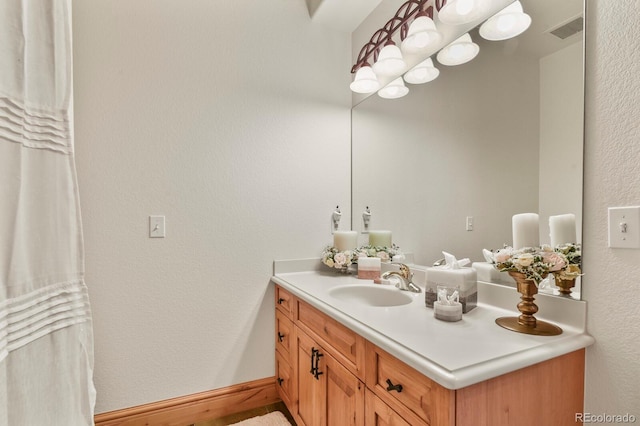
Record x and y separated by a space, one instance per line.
405 277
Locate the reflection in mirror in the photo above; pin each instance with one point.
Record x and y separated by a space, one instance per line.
447 166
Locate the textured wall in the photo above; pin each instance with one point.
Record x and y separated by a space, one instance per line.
612 172
232 119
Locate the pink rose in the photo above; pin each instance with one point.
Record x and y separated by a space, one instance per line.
502 255
557 261
340 259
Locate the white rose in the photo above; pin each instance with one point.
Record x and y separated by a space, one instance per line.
525 260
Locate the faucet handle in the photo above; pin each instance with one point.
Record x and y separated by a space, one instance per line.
405 271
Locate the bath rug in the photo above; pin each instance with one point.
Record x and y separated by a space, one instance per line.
275 418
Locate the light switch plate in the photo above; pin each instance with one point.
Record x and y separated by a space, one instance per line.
624 227
156 226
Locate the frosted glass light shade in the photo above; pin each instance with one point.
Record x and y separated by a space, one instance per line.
395 89
390 61
458 12
508 23
422 34
365 81
459 51
424 72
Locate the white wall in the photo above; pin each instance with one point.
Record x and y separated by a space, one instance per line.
612 172
561 136
232 119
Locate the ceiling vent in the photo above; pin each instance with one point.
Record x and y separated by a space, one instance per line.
568 29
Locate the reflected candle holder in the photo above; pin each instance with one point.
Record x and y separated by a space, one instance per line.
564 285
527 323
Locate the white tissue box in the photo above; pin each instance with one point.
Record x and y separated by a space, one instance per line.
465 279
487 272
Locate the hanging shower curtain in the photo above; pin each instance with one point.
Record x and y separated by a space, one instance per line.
46 342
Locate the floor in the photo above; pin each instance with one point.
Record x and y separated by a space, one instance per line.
235 418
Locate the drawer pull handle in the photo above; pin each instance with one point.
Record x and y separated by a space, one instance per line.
393 387
280 301
280 336
280 380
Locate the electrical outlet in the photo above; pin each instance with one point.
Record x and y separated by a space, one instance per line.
624 227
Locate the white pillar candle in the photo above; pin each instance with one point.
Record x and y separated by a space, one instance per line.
563 229
526 230
345 240
380 238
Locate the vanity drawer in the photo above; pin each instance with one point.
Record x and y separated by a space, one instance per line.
402 387
284 335
343 344
284 301
284 379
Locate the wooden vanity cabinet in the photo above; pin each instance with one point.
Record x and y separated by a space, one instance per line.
329 375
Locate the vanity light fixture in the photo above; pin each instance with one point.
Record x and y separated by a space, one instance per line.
395 89
365 80
508 23
458 12
417 22
460 51
422 34
390 61
424 72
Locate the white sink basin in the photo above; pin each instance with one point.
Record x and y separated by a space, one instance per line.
371 295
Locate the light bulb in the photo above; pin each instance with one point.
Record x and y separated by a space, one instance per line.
508 23
458 12
395 89
424 72
421 34
390 61
459 51
365 81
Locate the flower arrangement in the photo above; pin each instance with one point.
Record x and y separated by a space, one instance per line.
386 254
534 262
573 254
334 258
338 259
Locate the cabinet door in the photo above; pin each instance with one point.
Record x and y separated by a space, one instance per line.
310 407
377 413
328 394
345 394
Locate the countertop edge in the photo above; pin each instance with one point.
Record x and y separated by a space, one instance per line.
455 379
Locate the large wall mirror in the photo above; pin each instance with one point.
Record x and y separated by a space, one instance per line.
497 136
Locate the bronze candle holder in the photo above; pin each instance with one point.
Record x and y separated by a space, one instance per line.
564 285
526 323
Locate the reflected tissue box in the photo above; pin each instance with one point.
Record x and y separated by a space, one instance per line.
488 273
465 279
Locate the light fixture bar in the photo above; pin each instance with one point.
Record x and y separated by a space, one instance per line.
406 12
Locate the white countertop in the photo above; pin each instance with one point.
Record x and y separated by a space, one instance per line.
456 354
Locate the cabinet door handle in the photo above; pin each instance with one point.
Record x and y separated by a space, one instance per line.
314 351
280 300
280 336
393 387
317 373
280 380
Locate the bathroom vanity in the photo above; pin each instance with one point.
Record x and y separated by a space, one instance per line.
350 352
